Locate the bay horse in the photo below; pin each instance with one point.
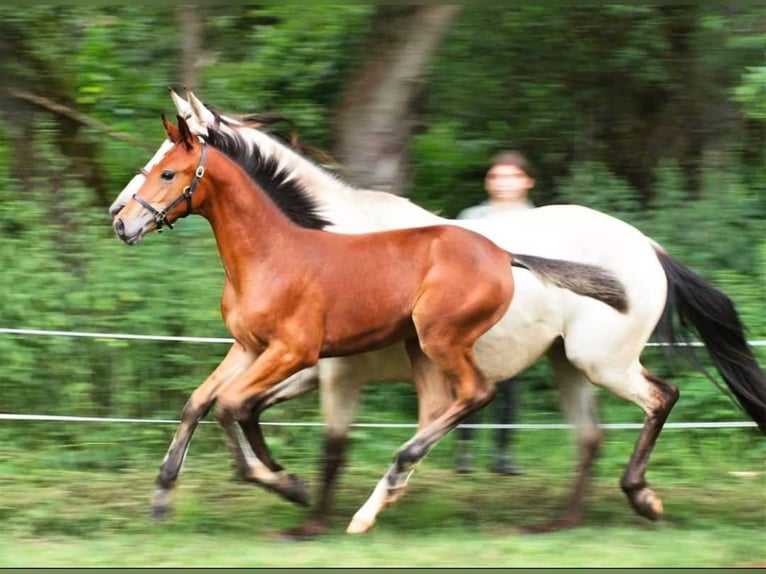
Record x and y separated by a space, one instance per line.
294 293
594 348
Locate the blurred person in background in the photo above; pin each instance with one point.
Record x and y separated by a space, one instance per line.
507 183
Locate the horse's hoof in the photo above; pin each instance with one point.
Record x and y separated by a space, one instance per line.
360 525
551 526
160 512
295 490
161 508
647 503
305 531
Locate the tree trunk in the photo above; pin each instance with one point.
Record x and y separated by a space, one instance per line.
379 106
190 50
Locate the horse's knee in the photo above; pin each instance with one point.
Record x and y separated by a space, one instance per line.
476 398
220 413
229 409
195 410
409 455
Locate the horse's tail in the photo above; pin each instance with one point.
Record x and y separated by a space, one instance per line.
711 313
581 278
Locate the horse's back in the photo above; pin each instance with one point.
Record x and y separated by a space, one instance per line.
593 333
373 284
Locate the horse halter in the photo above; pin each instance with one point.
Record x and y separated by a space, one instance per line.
161 215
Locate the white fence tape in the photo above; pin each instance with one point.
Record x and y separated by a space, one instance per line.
92 335
525 426
134 337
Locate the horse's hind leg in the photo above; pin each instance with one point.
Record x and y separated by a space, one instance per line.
471 394
656 398
340 389
435 395
644 500
578 404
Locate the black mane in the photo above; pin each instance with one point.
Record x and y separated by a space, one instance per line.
289 195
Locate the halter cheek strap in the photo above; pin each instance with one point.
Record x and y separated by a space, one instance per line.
161 215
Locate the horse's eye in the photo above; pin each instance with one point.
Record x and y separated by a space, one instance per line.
167 174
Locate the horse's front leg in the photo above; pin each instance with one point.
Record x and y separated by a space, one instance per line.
578 403
234 363
294 386
255 386
292 488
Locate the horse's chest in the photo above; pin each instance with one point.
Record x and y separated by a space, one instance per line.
244 318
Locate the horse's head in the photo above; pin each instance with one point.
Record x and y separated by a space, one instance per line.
199 119
168 190
135 183
184 110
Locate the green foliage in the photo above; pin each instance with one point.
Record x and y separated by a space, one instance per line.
593 185
295 67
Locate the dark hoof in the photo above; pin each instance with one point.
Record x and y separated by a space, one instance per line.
160 513
551 526
296 490
161 508
292 488
305 531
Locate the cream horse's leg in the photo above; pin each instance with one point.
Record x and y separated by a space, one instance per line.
579 407
341 381
628 379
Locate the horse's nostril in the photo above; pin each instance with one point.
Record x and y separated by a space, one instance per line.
119 227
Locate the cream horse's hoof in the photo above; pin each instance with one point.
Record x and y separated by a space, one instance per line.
360 525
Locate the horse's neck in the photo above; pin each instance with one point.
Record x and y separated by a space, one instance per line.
247 225
350 210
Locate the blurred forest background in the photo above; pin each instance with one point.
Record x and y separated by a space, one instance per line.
655 114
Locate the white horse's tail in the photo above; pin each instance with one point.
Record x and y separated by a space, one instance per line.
581 278
701 307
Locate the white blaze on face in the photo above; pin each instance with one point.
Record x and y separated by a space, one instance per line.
138 180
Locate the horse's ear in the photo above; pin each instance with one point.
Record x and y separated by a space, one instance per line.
171 130
182 106
186 137
202 114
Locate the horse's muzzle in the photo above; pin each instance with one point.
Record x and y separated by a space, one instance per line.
119 229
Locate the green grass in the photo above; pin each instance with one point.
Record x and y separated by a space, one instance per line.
86 504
